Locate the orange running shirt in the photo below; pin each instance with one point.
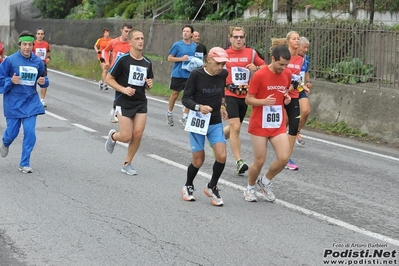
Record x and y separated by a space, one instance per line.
240 59
295 66
268 121
101 43
41 49
117 48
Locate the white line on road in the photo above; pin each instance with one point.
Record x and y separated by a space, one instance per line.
290 206
55 116
84 127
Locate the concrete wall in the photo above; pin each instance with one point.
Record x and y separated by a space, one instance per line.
373 111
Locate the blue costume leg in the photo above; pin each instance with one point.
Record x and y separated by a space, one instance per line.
11 131
29 141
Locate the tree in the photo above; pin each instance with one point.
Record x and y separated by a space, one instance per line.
56 9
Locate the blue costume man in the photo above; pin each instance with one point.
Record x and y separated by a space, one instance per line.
19 75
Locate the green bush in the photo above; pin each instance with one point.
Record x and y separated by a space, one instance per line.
351 71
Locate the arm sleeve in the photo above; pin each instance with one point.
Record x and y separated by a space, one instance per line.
5 79
46 83
189 91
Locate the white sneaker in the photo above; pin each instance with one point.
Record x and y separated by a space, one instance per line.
266 190
213 193
4 150
187 193
250 195
44 104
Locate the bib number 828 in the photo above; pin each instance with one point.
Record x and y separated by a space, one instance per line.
195 122
273 117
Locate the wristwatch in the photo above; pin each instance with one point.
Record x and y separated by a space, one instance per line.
197 107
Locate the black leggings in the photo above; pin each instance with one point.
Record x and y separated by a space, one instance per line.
293 114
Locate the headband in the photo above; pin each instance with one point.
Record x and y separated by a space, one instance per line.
26 39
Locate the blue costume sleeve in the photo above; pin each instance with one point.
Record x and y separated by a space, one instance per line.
5 79
46 83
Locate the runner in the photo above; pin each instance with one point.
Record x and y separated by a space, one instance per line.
99 47
267 93
304 102
130 76
205 119
19 75
180 54
42 50
116 48
243 63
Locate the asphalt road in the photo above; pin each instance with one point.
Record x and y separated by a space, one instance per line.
77 208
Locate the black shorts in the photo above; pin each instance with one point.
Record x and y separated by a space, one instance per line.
236 107
131 112
45 70
177 84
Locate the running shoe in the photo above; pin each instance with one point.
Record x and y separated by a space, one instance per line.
128 169
43 103
291 165
101 85
250 195
110 143
266 190
105 87
169 119
187 193
299 139
4 150
25 169
183 121
241 166
112 115
213 193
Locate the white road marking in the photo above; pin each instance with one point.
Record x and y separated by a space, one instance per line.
290 206
84 127
283 203
55 116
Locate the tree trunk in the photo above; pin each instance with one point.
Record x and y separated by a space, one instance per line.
289 10
372 10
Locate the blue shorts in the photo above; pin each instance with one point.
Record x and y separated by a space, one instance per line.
302 94
214 135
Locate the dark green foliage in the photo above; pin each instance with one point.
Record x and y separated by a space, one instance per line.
351 71
55 9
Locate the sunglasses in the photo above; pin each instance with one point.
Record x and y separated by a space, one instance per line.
238 37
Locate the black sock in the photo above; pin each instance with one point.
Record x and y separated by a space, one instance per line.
191 173
217 172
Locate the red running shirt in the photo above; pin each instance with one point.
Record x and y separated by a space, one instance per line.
41 49
240 58
295 66
268 121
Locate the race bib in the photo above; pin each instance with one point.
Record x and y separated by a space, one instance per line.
302 75
199 55
137 75
184 65
41 52
197 122
272 116
28 75
240 75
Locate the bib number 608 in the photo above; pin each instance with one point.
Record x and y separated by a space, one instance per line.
195 122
